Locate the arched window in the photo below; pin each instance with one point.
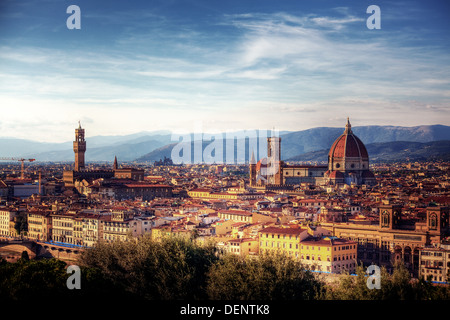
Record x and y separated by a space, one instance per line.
385 219
433 221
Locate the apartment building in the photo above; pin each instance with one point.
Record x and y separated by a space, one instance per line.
278 239
6 221
316 251
329 254
242 246
39 225
434 263
77 228
90 228
116 226
63 228
236 215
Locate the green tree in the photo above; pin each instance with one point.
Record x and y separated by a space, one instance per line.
267 277
32 279
396 286
350 287
173 268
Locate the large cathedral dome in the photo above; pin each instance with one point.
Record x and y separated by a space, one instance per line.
348 146
348 159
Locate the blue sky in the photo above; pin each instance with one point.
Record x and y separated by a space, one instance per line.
220 65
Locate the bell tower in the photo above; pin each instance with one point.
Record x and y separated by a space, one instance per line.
79 147
274 169
252 170
390 216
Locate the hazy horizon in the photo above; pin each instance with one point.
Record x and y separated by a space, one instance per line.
143 133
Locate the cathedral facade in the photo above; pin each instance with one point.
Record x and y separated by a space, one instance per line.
348 163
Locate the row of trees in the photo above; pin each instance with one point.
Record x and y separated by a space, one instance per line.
178 269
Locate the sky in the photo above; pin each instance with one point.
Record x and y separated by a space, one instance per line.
220 65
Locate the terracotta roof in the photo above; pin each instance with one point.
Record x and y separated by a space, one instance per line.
335 174
282 230
236 212
137 185
348 145
327 241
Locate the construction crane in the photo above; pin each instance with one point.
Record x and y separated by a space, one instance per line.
21 160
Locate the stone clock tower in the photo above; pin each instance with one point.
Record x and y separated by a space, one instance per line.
79 147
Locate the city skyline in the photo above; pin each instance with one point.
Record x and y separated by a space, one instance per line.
167 65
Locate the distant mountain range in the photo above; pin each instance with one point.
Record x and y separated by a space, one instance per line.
99 148
307 142
391 151
301 145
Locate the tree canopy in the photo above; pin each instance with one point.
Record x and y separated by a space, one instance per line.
180 269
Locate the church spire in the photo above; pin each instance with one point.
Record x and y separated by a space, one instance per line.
115 166
252 159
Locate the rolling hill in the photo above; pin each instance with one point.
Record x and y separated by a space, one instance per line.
315 143
391 151
152 146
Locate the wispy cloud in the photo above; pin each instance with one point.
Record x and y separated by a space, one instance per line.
291 70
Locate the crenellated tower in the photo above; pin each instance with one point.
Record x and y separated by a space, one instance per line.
79 147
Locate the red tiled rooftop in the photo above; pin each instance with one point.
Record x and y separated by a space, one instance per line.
282 230
137 185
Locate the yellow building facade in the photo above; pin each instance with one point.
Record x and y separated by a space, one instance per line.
6 216
63 228
329 254
242 246
236 215
161 232
283 240
39 225
319 253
